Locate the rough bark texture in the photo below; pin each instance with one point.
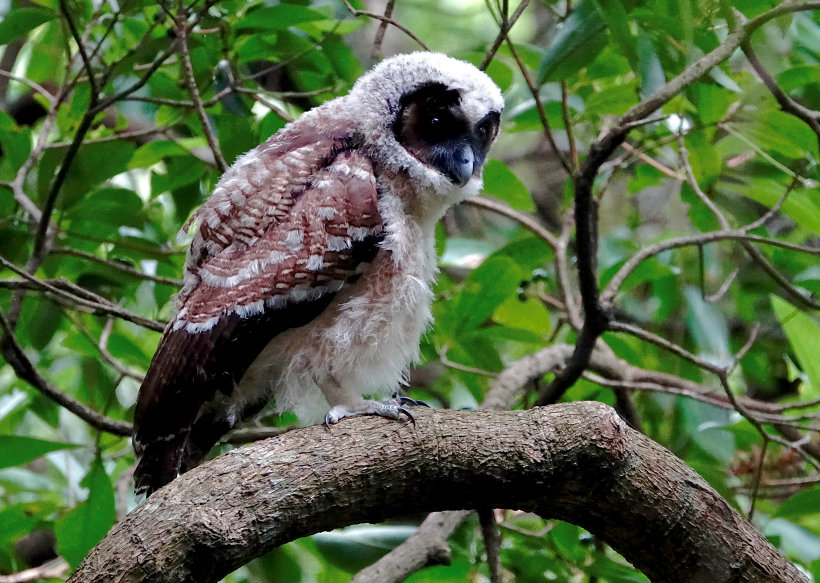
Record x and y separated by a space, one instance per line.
576 462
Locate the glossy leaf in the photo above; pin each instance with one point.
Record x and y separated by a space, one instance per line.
16 450
20 21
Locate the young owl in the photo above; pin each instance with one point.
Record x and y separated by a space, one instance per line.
308 280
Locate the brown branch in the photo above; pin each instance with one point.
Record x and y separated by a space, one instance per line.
492 543
30 84
425 548
596 308
576 462
631 264
89 70
505 26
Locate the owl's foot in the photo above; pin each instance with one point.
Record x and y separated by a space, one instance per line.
392 409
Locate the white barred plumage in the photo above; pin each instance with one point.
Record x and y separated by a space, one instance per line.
308 279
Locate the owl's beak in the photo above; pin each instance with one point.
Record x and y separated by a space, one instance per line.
460 169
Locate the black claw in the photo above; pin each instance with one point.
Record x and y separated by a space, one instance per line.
408 413
411 402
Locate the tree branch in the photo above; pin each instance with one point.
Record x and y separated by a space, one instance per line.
576 462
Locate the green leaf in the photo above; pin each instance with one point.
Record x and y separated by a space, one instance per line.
154 152
711 102
803 333
579 40
107 208
801 504
16 146
88 522
16 450
93 164
278 17
705 161
20 21
617 21
615 100
530 315
20 519
500 181
485 289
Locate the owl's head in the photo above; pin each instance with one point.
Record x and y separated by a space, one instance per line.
431 116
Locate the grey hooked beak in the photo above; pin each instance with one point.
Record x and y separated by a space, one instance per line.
463 162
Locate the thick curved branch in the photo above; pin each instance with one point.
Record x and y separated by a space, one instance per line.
577 462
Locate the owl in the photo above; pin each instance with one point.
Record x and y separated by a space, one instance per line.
308 279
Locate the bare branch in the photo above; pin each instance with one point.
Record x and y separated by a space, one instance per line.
190 80
523 219
577 462
383 18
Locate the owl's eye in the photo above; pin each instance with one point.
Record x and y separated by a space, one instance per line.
434 123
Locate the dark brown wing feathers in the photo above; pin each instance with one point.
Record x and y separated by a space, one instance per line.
230 315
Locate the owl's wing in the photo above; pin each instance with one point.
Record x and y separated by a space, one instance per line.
265 259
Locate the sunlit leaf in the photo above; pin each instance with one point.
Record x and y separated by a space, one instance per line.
500 181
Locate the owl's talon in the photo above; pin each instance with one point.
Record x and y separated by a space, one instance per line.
412 402
392 409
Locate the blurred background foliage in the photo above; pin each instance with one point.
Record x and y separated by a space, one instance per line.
86 296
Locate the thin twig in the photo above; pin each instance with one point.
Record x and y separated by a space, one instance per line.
119 266
32 85
523 219
79 297
809 116
539 108
381 17
608 294
376 53
190 81
504 28
573 151
659 341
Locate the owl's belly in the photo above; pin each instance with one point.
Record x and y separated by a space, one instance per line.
363 342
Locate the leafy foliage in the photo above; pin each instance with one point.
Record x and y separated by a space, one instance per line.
707 241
